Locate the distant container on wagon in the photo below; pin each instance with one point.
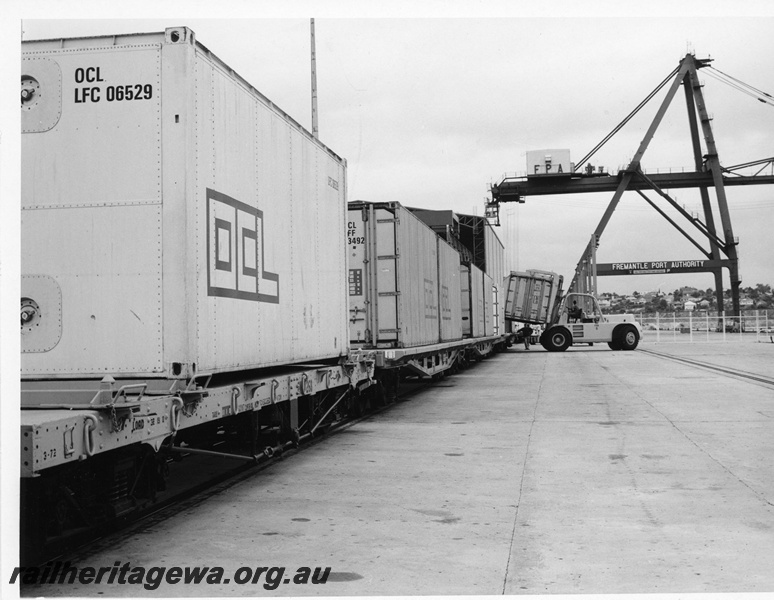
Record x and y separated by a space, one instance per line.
404 280
174 220
480 247
478 319
472 235
472 300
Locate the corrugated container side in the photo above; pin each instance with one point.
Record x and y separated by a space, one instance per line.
394 283
472 294
173 219
530 295
495 265
489 316
535 302
465 304
545 287
271 232
517 288
450 292
364 321
417 251
495 254
499 308
477 303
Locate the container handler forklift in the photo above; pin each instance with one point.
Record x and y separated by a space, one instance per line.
535 297
579 320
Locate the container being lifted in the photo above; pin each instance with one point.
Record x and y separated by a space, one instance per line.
531 296
535 298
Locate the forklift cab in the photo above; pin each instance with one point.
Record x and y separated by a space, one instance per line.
580 308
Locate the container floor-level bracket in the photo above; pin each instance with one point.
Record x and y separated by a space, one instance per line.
60 426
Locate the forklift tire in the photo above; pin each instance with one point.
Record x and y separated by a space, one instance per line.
627 338
556 339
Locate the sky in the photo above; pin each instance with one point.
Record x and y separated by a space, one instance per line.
431 111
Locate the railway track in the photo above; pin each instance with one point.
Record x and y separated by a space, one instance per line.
728 371
198 476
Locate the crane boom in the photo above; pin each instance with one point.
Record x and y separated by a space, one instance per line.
708 174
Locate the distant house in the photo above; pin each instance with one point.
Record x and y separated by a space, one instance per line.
746 302
689 305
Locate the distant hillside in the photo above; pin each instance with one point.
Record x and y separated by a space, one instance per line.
760 297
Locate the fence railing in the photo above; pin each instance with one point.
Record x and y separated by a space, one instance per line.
708 326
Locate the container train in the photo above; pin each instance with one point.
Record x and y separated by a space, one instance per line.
194 278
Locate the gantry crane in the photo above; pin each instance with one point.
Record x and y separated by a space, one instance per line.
708 174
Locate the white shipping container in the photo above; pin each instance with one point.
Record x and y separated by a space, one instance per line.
495 268
450 291
531 296
474 316
465 304
498 307
394 283
495 254
174 220
488 305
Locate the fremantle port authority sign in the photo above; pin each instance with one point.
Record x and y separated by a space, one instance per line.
660 266
235 261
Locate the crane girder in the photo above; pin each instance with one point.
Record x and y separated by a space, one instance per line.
516 189
708 173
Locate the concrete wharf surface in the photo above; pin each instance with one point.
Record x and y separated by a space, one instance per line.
589 471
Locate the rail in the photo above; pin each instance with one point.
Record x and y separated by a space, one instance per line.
728 371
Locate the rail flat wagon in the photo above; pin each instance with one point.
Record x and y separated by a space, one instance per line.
183 273
413 299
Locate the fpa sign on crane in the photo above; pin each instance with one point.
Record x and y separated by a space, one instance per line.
549 162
